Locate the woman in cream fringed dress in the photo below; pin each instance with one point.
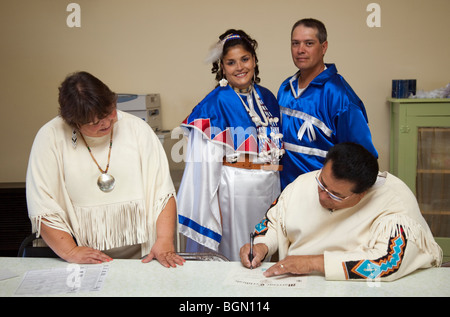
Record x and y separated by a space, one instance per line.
98 182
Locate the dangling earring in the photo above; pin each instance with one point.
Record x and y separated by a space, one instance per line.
74 138
223 82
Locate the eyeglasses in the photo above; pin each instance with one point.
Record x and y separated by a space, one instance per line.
332 196
107 118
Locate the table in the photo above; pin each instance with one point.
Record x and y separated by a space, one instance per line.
206 279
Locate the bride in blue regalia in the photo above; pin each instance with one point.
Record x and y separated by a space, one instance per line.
231 175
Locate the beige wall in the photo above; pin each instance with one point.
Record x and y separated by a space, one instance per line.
158 46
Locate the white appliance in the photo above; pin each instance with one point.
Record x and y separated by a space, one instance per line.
147 107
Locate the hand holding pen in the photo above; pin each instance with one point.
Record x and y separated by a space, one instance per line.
253 254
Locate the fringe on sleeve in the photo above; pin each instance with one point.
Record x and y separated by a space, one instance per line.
389 226
54 221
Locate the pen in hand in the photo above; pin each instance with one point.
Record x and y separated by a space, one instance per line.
250 256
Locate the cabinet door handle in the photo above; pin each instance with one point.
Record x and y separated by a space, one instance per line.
405 129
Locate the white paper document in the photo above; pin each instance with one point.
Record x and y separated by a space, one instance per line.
255 277
73 278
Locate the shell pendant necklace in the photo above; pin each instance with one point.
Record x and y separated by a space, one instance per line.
105 181
251 109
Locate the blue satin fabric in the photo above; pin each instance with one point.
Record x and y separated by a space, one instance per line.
222 109
331 100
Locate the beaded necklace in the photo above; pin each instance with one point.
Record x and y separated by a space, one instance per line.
269 148
105 181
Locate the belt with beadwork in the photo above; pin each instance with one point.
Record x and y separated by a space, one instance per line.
247 164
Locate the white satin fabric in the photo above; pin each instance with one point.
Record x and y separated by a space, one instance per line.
222 203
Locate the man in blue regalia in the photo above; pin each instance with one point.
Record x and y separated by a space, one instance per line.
318 107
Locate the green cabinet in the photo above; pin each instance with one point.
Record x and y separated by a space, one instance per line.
420 155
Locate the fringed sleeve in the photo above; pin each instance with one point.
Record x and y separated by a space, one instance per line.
398 245
47 199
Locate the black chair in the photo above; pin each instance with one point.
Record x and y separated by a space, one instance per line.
28 250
